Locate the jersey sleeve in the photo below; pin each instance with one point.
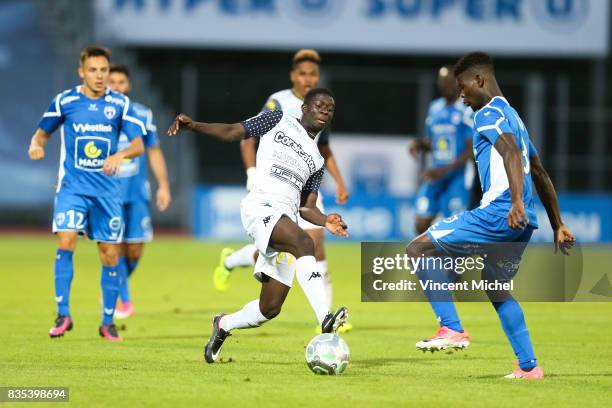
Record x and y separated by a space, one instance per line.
324 138
151 140
491 123
313 183
130 124
271 106
261 124
53 117
532 150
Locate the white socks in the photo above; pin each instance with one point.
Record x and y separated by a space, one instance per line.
312 282
249 316
245 256
322 268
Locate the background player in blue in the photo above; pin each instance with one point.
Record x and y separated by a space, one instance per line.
136 191
90 118
507 163
448 130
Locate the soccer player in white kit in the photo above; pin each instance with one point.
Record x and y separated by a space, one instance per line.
289 174
304 76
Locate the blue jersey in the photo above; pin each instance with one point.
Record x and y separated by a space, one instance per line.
134 174
90 131
490 122
448 127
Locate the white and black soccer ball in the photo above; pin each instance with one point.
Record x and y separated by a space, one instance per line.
327 354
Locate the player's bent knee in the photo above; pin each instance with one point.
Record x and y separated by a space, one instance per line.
109 254
305 246
270 311
134 251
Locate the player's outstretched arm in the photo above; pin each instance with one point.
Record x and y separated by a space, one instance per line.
513 164
342 194
160 171
333 222
39 140
112 163
222 131
564 239
249 154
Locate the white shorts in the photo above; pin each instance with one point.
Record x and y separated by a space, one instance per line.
259 218
280 267
306 225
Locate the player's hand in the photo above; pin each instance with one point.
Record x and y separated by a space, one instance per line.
517 219
336 225
36 152
112 164
433 174
250 183
342 194
163 198
564 239
181 122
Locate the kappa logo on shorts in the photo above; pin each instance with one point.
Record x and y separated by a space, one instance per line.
60 218
315 275
266 220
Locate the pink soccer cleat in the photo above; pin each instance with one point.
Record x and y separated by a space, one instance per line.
124 310
445 338
109 332
62 325
535 374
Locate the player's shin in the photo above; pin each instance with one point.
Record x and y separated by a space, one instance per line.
124 290
63 278
245 256
249 316
322 268
441 300
513 322
132 263
110 292
311 281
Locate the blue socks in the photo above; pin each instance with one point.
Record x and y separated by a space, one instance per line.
441 300
63 271
124 290
513 322
110 291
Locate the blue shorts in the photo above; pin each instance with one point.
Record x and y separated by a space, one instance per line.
98 217
448 196
479 232
137 218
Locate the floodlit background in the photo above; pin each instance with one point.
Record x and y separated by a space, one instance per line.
218 60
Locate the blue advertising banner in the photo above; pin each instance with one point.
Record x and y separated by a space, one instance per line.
388 218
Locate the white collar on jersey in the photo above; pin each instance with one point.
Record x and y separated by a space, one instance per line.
106 92
491 101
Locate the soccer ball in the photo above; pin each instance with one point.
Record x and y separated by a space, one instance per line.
327 354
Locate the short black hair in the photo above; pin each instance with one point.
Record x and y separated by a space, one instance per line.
317 91
121 68
95 51
473 59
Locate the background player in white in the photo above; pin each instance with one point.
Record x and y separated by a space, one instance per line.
289 172
304 75
136 191
90 118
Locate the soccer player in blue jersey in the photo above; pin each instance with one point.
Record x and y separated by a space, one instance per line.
507 163
136 192
87 200
448 130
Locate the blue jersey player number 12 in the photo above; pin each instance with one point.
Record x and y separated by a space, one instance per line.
90 118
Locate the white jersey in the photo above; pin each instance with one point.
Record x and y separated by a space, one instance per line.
288 102
289 164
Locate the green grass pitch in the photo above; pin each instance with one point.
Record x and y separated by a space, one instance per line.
161 362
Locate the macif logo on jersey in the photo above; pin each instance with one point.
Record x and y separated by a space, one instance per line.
90 152
110 111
